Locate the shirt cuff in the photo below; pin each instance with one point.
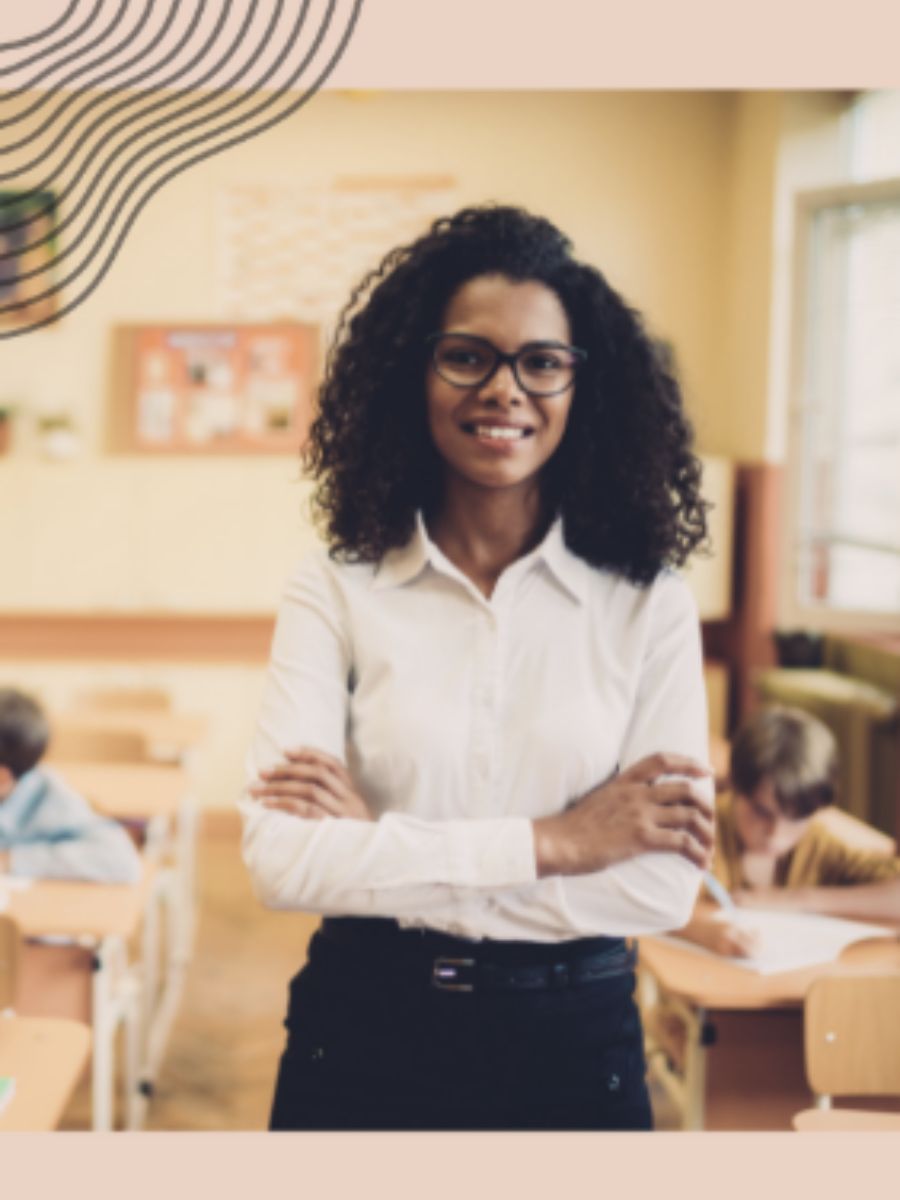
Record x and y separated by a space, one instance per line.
491 853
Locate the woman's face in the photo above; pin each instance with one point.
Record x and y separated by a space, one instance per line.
762 827
509 316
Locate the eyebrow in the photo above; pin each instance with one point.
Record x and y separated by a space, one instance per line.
534 344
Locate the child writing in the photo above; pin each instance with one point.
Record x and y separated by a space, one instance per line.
774 850
46 830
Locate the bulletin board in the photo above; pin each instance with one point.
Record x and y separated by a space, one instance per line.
214 389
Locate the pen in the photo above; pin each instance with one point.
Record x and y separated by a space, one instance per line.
718 893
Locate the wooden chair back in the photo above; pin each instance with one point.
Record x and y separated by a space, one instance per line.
106 699
10 950
70 742
852 1035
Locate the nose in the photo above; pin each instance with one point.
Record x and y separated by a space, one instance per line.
502 385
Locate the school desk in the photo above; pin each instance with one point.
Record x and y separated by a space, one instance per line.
846 1120
169 735
46 1057
172 739
160 796
101 918
738 1049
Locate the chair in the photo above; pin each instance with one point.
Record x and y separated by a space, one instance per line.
104 699
10 951
852 1048
70 742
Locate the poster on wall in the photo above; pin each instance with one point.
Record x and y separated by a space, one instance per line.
218 388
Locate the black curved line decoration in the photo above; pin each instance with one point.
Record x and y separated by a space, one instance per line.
67 41
75 56
42 33
123 85
210 74
110 192
42 188
24 258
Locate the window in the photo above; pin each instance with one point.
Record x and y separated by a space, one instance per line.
844 552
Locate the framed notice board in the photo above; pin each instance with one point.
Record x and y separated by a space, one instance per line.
214 389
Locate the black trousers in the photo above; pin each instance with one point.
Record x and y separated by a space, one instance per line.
372 1045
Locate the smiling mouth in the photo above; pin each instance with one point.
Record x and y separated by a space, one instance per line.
499 433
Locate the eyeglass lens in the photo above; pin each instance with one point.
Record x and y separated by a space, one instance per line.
468 362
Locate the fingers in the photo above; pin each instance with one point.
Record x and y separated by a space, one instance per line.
745 942
684 792
735 941
648 770
312 755
297 808
311 777
305 793
307 772
683 816
683 842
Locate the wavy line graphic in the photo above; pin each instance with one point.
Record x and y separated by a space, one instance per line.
100 169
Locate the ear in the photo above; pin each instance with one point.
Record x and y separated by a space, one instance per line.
7 781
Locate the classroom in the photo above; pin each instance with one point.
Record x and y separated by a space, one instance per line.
153 506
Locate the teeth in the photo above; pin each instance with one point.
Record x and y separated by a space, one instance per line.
494 431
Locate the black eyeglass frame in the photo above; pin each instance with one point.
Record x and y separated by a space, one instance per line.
509 360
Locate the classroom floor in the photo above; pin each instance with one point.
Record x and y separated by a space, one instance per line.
219 1069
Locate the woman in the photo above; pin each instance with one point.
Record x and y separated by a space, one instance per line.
471 692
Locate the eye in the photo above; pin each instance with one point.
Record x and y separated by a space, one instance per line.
463 356
541 361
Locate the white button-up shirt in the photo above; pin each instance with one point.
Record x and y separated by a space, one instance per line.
462 719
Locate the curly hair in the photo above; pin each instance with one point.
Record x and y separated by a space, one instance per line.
623 478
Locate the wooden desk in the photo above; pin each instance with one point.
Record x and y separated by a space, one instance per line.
169 735
101 918
50 908
128 791
846 1120
741 1059
46 1058
161 797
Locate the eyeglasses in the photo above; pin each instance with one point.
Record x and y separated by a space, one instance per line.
540 368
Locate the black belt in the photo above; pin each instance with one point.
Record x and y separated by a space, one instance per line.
458 965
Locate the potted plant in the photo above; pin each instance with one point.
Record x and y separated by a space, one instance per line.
59 438
7 411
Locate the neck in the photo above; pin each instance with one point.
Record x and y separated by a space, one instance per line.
487 530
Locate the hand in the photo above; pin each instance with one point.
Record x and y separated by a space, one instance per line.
631 814
732 941
312 784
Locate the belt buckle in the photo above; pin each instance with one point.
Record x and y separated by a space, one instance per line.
444 970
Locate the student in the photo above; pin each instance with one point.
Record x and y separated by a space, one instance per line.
46 830
773 850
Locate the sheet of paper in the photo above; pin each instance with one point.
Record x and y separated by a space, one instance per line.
789 941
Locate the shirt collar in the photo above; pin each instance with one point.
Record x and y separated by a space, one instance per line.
402 564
